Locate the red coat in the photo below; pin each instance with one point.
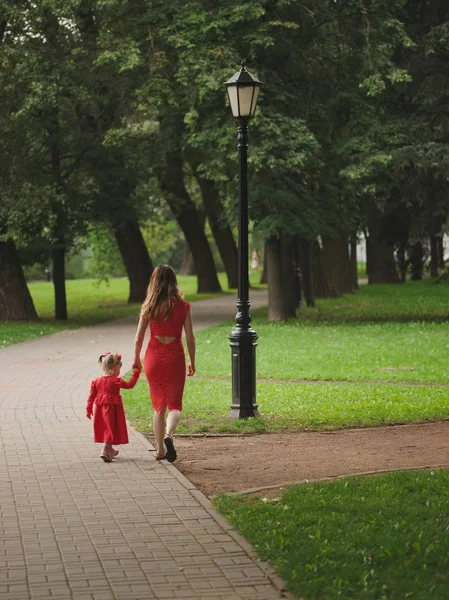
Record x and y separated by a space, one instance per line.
109 415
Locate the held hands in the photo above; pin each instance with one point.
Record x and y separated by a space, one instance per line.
190 370
137 366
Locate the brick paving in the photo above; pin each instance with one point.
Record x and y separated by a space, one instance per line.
74 527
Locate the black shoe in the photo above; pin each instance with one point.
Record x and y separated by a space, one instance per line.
171 452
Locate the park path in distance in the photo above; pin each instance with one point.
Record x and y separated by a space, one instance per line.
73 527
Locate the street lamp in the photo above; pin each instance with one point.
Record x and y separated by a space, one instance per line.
243 91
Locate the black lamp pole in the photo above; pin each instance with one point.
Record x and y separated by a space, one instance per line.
243 339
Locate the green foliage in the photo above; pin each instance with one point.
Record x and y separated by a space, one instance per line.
352 114
379 537
106 260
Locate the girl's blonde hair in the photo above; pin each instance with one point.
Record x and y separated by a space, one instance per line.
107 362
162 294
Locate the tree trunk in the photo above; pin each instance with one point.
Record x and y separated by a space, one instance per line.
416 261
440 244
58 258
380 250
58 247
264 277
172 185
354 264
288 274
220 229
304 261
336 263
16 303
188 266
433 256
276 304
402 262
136 258
321 287
278 262
381 260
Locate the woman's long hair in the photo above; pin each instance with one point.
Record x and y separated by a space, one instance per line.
162 294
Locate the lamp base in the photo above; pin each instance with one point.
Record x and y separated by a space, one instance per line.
243 348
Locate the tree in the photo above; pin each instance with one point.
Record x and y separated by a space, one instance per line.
15 299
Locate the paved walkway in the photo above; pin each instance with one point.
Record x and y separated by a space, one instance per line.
74 527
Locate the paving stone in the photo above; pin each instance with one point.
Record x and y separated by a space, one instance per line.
74 527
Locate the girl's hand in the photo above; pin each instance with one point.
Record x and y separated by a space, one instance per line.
190 370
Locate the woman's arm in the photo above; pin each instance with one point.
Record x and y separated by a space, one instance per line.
190 339
140 335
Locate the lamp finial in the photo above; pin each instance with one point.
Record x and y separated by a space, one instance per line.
243 65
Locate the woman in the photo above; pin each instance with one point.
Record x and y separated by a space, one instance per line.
165 311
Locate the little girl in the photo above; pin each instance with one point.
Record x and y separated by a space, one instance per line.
109 416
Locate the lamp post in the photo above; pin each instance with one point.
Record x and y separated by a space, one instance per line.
243 91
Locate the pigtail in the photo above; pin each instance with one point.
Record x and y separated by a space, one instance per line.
107 362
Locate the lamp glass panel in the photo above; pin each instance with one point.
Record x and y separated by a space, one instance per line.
233 99
245 100
254 104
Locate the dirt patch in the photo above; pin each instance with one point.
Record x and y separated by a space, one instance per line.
241 463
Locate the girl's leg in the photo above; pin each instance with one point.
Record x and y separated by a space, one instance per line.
106 453
159 428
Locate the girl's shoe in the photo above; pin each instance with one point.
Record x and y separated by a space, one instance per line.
171 452
106 456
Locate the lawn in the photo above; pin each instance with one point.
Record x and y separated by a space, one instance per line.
89 301
390 333
365 338
376 538
286 406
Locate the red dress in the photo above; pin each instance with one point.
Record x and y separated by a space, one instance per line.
109 415
165 364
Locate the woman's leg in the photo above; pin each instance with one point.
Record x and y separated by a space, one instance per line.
159 428
173 421
172 424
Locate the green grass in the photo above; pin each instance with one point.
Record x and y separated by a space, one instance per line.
318 346
89 301
389 333
14 332
361 270
285 406
390 351
376 538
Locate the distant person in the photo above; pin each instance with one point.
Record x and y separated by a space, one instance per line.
47 274
255 259
166 314
109 415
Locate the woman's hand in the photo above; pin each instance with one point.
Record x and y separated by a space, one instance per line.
190 370
137 364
